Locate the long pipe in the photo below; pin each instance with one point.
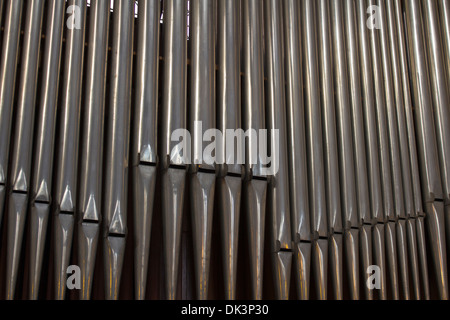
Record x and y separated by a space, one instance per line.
229 184
253 117
44 143
8 67
173 117
315 150
144 143
22 144
346 148
428 150
412 232
89 209
298 170
202 109
66 155
330 149
117 148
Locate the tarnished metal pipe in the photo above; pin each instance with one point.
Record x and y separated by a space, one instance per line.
331 161
296 138
44 143
22 144
315 151
173 117
117 148
144 153
229 184
89 209
8 69
255 185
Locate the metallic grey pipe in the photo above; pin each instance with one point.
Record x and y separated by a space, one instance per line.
440 90
298 172
415 178
315 151
278 189
379 256
421 244
444 11
44 143
428 150
117 147
362 184
346 147
173 118
391 259
399 204
8 69
422 98
144 153
330 147
370 120
22 144
365 243
66 155
255 185
202 110
229 184
404 149
89 209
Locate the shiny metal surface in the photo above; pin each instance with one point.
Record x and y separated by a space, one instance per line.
89 209
423 102
440 90
201 109
253 117
144 153
379 257
365 245
296 137
278 204
336 266
370 120
173 117
42 168
8 67
344 120
22 143
116 154
229 187
348 92
66 152
362 184
331 161
314 137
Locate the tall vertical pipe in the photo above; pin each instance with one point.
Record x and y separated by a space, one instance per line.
117 148
315 151
22 144
296 138
144 138
44 143
253 117
229 184
89 209
8 67
330 143
173 117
